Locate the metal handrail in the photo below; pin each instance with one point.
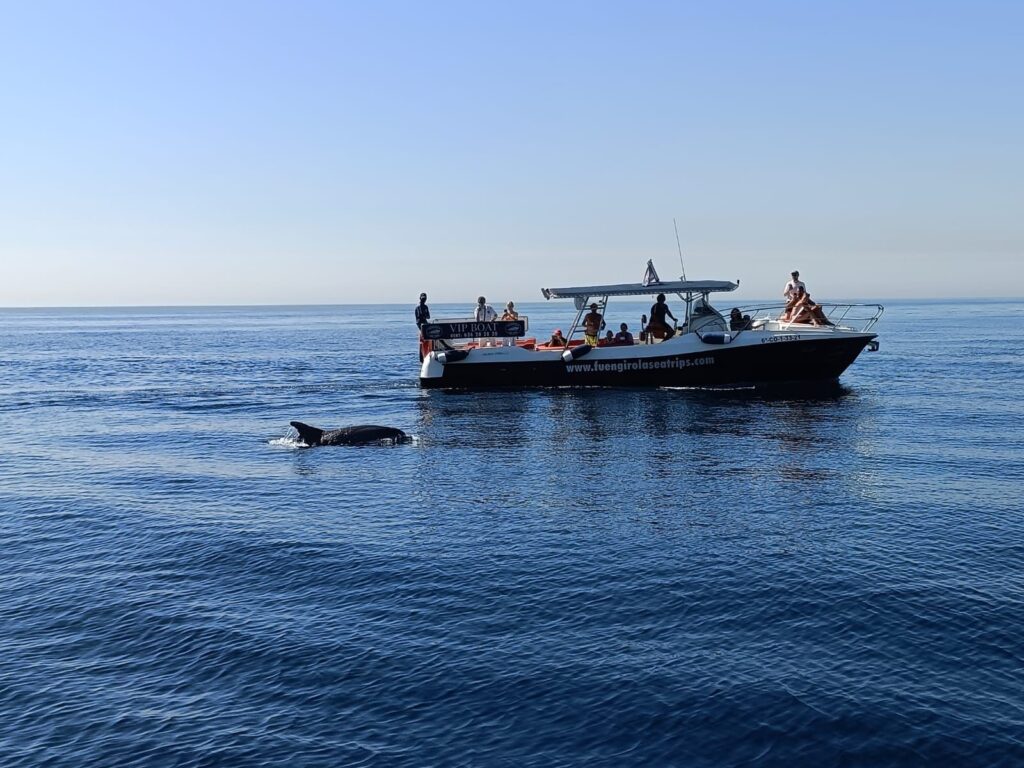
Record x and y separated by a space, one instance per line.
837 313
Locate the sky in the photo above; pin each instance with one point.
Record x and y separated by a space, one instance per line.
331 152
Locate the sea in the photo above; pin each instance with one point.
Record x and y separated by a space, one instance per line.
557 577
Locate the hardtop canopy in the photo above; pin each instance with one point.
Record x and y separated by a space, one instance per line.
640 289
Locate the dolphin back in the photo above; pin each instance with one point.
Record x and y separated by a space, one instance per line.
307 434
357 435
362 433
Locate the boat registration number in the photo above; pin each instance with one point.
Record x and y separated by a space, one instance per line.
783 337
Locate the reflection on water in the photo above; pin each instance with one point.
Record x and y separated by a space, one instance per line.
665 439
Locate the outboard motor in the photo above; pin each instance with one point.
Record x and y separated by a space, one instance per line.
576 352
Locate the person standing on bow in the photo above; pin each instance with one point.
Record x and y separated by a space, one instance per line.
509 314
658 326
592 325
794 287
484 313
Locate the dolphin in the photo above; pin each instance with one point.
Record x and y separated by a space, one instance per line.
358 435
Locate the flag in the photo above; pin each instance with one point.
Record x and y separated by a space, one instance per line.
651 276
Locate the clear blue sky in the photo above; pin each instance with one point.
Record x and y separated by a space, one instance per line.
255 152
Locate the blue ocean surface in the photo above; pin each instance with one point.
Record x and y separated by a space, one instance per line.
565 577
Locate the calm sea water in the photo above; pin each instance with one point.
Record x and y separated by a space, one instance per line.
547 578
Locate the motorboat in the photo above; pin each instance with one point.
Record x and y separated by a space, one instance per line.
753 346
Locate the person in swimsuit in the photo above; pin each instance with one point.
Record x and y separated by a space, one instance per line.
592 325
807 311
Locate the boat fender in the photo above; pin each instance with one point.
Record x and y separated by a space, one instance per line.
452 356
715 338
575 352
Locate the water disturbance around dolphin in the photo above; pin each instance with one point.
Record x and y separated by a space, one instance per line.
360 434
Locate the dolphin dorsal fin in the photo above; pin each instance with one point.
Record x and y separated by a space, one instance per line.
307 434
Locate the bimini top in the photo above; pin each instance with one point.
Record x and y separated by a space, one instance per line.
640 289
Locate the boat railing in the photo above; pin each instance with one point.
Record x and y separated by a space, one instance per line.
848 317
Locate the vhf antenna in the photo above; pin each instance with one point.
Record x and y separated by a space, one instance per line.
680 248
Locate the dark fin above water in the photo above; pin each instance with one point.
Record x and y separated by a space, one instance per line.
307 434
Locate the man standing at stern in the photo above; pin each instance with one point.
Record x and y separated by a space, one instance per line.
422 312
484 313
422 316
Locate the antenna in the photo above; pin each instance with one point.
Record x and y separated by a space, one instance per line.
679 247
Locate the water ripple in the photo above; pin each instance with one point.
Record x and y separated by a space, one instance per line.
551 578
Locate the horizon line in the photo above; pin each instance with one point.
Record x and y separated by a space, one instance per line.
469 302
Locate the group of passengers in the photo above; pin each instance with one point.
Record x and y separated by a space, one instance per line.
800 308
593 324
484 313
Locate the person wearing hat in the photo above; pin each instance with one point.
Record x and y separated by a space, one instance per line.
794 287
509 314
422 316
557 339
422 312
592 325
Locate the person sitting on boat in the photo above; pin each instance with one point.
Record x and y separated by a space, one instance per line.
509 314
802 309
792 305
557 339
658 327
738 321
624 337
484 313
607 341
794 286
810 312
592 325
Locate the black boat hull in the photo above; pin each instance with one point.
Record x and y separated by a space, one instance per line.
811 360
